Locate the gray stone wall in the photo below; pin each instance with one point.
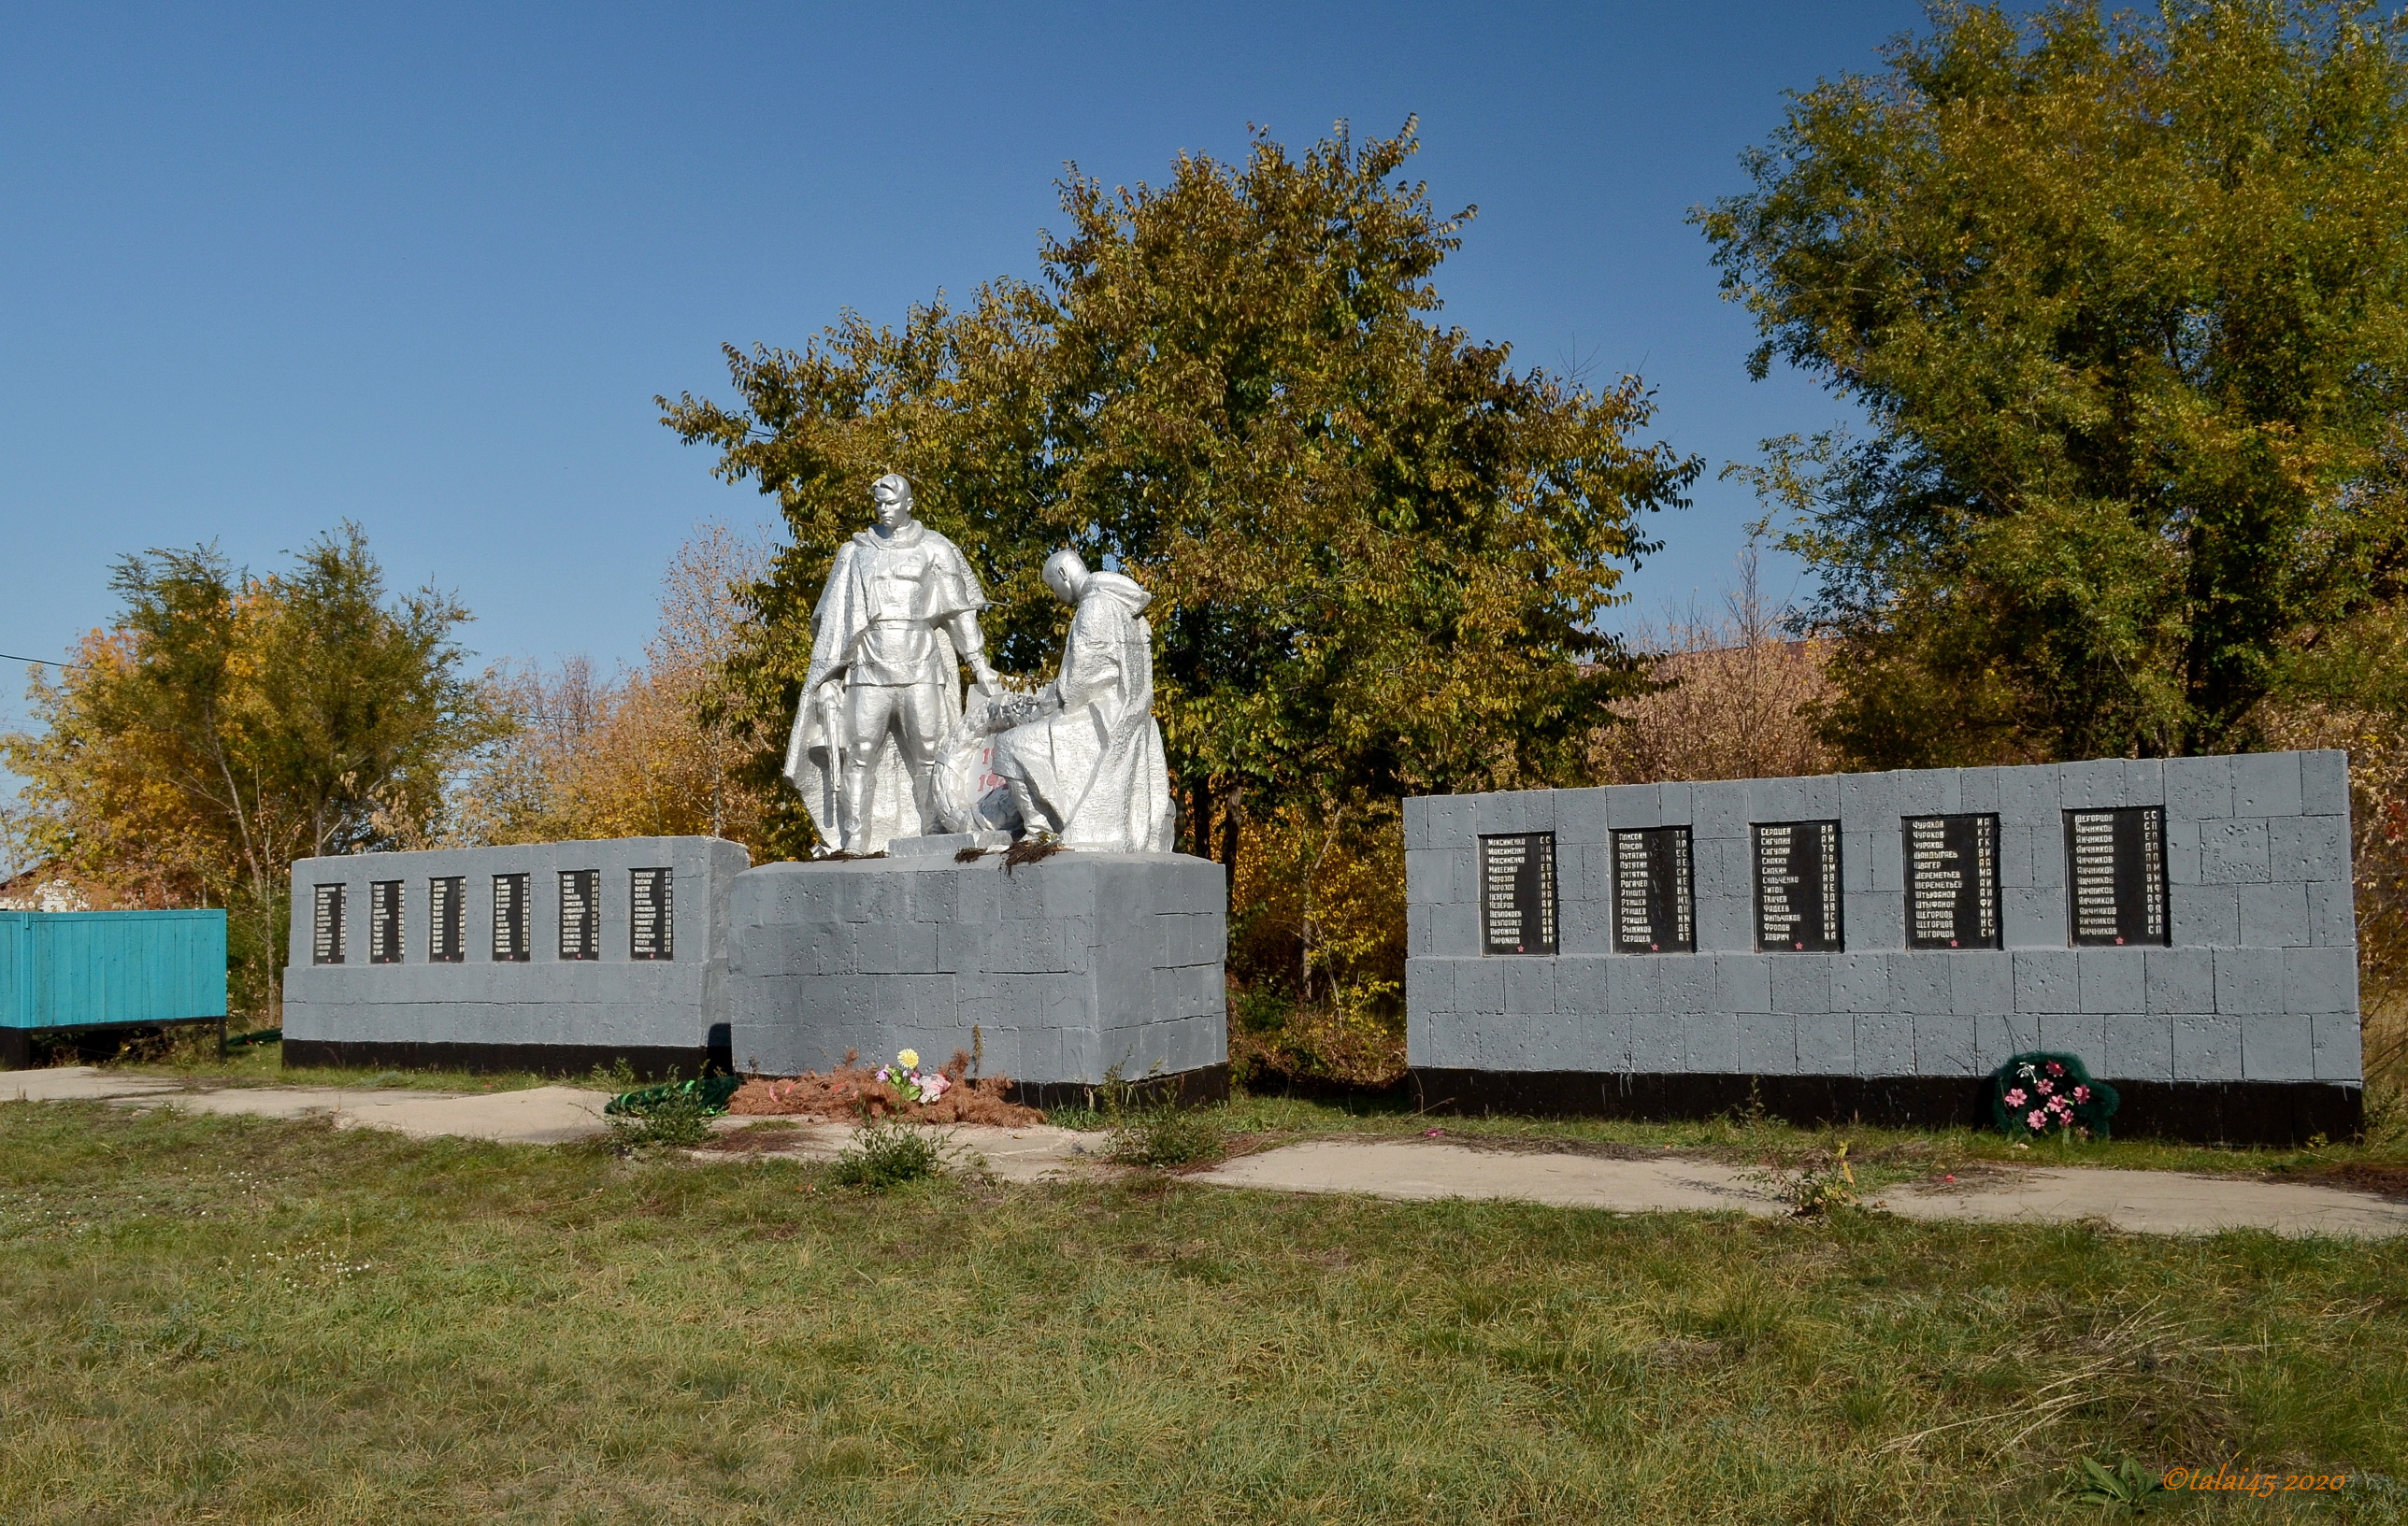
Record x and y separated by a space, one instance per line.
1065 968
611 1002
2260 983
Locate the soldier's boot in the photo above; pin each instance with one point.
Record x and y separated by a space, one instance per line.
852 807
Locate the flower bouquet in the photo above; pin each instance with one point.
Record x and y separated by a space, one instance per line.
911 1082
2041 1092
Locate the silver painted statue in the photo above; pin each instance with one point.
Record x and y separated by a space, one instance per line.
882 705
1089 768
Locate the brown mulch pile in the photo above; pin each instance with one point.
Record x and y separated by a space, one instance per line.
855 1090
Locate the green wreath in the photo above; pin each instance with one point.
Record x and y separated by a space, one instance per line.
711 1092
2045 1091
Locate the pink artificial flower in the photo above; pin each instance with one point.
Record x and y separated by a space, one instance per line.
2056 1069
2045 1089
2081 1093
933 1087
2017 1098
2037 1118
2061 1107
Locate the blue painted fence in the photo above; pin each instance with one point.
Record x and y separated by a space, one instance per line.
79 969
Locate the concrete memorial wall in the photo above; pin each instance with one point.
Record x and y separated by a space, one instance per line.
550 957
1873 945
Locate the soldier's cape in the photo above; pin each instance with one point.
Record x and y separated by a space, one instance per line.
815 746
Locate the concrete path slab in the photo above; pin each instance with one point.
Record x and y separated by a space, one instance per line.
1030 1153
545 1115
2151 1202
1419 1170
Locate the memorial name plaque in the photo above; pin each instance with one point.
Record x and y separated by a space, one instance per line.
581 914
1797 887
1653 910
326 925
2115 874
384 922
511 919
650 926
445 900
1952 881
1517 893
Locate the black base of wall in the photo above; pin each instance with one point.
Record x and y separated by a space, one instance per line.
21 1047
2271 1113
1185 1089
651 1063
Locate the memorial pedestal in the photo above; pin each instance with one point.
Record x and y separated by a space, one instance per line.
1052 974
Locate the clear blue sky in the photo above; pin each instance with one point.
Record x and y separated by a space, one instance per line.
425 266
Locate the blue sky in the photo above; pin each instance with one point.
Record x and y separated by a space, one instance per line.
426 266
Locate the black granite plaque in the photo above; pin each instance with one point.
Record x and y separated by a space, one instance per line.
581 914
1517 893
1655 909
651 927
1797 887
326 925
511 919
445 900
384 922
1952 881
2115 876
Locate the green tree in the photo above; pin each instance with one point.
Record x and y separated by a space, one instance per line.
1377 550
227 724
2126 300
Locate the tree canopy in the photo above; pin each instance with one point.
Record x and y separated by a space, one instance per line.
2126 299
1377 550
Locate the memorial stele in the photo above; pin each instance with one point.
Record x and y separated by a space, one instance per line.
886 752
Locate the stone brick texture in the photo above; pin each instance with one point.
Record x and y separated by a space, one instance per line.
1057 972
2260 983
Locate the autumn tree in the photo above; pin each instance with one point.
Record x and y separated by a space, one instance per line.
226 724
2124 298
1377 550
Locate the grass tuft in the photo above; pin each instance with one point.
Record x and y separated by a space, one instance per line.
888 1154
1164 1136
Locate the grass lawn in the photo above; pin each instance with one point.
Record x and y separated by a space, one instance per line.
220 1318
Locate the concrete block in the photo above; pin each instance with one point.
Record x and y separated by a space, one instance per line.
1688 982
1629 806
1944 1043
1673 802
1430 986
2233 851
1429 875
1885 1043
1999 1037
1768 1043
1417 933
1770 801
1634 982
2182 851
1514 812
2046 980
2075 1032
2090 784
2274 915
2249 980
2324 783
1446 822
1855 865
2144 781
1658 1043
1922 981
2308 847
2139 1046
1928 792
1861 983
1719 810
1978 790
1742 983
2205 915
2333 914
2032 918
2267 784
2279 1046
2319 979
1826 1044
2027 796
1981 980
2178 980
1868 803
2048 855
1530 985
1581 817
1876 921
1585 926
2016 869
1801 983
2197 789
2207 1048
1479 987
2338 1049
1726 924
2112 980
1711 1043
1580 987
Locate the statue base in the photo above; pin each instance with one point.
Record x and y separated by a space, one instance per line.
947 844
1055 974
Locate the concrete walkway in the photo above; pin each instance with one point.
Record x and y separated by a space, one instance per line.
1419 1169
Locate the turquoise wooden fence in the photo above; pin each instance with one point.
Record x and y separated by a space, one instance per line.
85 969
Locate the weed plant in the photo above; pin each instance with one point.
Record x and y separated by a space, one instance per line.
680 1120
888 1154
1166 1136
